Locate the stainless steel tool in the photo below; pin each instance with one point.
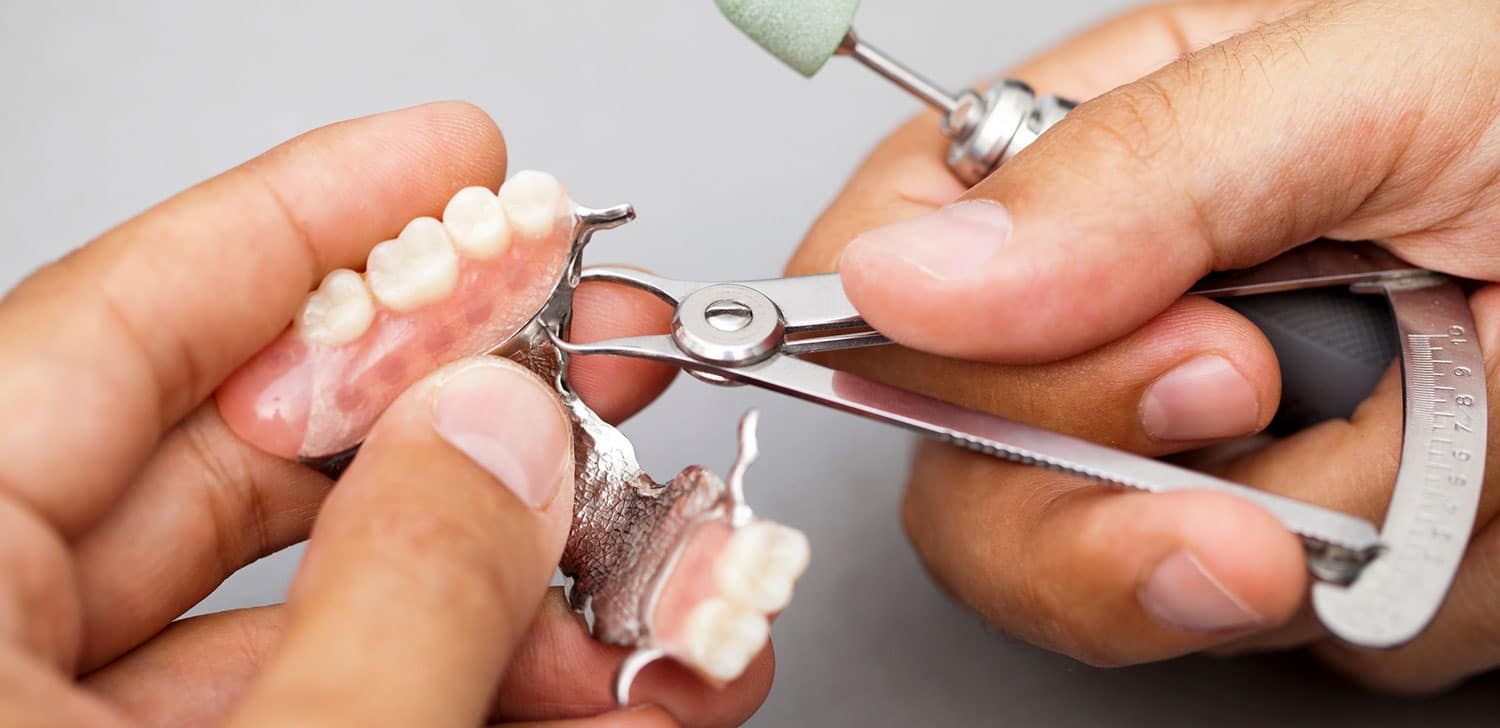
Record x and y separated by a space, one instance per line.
1375 590
1432 510
986 128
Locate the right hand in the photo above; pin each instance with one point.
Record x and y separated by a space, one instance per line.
1357 119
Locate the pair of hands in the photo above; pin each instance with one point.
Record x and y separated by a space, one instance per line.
419 604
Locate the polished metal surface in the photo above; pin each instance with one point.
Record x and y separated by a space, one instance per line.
987 129
728 324
981 141
1000 437
749 452
1044 113
930 93
813 320
1008 117
1327 263
807 303
997 436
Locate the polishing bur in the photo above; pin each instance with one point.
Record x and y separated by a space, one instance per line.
804 34
987 130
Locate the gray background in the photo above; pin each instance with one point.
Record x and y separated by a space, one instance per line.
109 107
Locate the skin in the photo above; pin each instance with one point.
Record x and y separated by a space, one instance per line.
417 606
93 574
1223 133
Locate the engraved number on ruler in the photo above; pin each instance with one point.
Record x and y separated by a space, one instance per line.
1443 400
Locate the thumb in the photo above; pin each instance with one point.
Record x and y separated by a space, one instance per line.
1220 160
430 559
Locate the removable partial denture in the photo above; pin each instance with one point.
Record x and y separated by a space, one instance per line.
678 572
713 614
439 292
661 567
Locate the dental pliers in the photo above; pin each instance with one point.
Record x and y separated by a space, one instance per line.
1376 588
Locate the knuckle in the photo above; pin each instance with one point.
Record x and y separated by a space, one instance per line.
39 607
1135 124
237 511
33 555
957 531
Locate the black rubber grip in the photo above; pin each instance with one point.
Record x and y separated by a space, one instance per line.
1333 346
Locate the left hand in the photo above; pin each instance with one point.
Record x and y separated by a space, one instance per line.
1069 566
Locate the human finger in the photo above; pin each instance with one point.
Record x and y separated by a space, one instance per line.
136 329
429 561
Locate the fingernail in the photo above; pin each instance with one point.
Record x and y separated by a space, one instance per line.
508 423
953 243
1182 593
1204 399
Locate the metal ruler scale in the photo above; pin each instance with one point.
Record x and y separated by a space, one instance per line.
1436 499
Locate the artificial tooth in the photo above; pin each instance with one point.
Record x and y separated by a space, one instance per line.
533 202
476 223
417 268
340 311
722 638
760 565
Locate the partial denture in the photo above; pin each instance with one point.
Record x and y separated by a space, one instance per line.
719 622
438 292
679 570
683 569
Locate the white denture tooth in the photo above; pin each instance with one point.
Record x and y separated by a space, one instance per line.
723 638
534 202
340 311
761 564
477 224
417 268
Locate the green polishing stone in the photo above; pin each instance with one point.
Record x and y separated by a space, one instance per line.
804 34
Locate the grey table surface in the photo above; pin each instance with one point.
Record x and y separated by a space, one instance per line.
109 107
